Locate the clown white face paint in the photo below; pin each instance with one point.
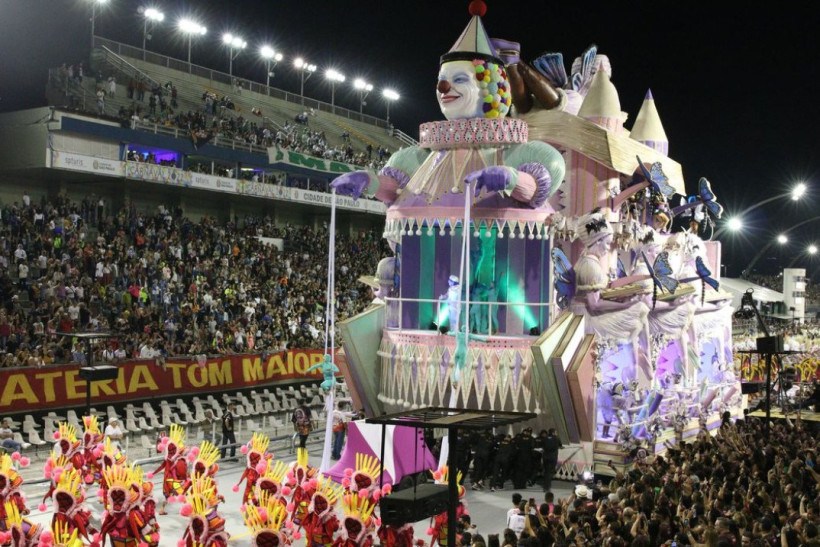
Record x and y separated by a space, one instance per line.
458 93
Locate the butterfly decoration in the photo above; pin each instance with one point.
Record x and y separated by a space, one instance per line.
620 269
551 66
564 278
661 273
705 197
705 275
658 181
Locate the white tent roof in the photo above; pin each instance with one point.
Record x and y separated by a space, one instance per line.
739 286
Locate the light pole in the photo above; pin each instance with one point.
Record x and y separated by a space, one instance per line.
796 194
304 68
191 28
333 76
271 58
364 88
94 4
151 16
233 43
389 96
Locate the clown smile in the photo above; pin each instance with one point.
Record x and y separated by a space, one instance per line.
447 99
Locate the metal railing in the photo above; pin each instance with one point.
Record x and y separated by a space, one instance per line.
221 77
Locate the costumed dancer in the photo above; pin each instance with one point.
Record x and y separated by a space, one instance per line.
438 530
174 466
92 438
300 479
145 518
70 511
271 484
54 467
321 522
364 480
111 456
257 456
61 536
10 483
68 445
268 525
329 370
19 531
122 499
204 460
206 527
358 523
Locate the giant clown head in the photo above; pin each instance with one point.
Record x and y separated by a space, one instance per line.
472 81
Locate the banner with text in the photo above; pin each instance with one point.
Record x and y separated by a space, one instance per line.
321 165
86 164
29 389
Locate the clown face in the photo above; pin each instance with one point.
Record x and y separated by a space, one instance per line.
458 92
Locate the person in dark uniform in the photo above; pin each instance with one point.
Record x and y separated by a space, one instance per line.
550 443
501 464
483 444
228 436
524 445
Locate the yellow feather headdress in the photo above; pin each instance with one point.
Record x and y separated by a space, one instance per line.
70 483
368 465
202 495
91 424
260 442
67 432
357 506
276 513
62 537
208 454
176 435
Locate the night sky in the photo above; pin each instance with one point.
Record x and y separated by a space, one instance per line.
736 86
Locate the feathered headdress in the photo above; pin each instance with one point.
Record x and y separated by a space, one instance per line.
206 457
121 495
268 520
91 424
271 480
66 431
26 531
13 478
60 536
325 497
256 448
69 484
302 472
442 476
111 454
357 511
55 465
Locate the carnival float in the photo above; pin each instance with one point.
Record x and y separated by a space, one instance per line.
546 259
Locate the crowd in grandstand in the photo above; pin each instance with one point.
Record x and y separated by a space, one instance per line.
166 285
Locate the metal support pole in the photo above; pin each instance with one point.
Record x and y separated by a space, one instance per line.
144 33
189 54
768 392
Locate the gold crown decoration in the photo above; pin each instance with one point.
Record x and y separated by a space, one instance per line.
67 432
208 454
276 514
331 491
275 471
260 442
369 465
64 538
201 495
91 424
356 506
176 435
70 482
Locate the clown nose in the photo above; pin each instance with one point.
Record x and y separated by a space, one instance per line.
443 86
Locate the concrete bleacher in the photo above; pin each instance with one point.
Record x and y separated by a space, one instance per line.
274 111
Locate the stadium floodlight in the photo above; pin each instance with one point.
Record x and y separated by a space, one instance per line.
782 239
799 191
306 71
812 249
271 57
364 88
334 77
233 43
191 28
389 96
151 16
94 4
734 224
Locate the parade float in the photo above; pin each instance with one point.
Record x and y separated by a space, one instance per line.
545 259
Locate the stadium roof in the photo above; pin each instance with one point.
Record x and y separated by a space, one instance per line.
739 286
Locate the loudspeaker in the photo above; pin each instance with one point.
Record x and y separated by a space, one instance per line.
770 344
747 388
412 506
98 374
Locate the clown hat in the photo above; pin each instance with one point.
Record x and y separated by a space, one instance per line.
473 42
